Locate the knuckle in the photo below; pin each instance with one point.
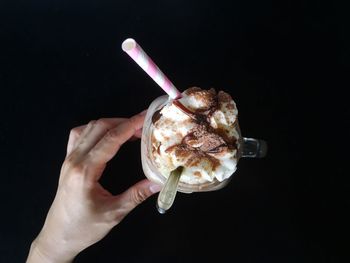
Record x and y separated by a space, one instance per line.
69 159
75 132
138 196
134 123
112 134
91 123
131 121
76 170
102 123
72 166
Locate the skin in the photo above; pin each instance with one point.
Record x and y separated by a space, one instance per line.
83 212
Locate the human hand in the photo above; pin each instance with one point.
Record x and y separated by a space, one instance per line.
83 212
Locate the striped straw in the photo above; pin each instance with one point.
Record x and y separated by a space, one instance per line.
134 50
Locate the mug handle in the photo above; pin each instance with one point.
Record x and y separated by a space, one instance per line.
253 148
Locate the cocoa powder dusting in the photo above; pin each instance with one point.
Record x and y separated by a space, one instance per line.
230 106
158 149
192 90
224 97
202 140
193 156
197 173
207 97
215 163
154 149
223 133
200 137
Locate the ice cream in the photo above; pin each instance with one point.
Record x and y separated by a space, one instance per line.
199 132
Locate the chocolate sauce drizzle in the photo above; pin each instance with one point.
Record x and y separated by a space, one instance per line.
199 116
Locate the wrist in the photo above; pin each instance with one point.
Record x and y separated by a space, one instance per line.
43 250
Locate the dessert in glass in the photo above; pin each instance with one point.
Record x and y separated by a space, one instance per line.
198 136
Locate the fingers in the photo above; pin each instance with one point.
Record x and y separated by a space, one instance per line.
138 133
73 137
86 136
136 136
110 143
132 197
76 132
97 143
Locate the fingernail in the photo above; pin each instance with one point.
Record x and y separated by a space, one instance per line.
155 188
142 113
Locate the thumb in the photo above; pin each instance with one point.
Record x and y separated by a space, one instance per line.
135 195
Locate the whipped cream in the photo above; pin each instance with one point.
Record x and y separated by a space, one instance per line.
199 132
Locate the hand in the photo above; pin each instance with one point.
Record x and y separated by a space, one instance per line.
83 212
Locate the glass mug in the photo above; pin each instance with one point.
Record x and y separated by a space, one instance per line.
247 147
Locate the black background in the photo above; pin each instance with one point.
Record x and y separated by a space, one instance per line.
284 63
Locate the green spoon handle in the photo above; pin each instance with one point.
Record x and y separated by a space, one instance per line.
167 195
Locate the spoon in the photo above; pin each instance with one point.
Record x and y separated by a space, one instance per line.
167 195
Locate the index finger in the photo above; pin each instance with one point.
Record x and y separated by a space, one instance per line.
76 132
111 142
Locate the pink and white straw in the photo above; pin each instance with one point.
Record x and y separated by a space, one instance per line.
134 50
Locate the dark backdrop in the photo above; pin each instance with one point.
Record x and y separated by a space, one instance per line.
284 63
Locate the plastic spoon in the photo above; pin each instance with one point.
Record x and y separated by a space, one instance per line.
167 195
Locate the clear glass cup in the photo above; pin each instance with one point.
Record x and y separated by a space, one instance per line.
247 148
